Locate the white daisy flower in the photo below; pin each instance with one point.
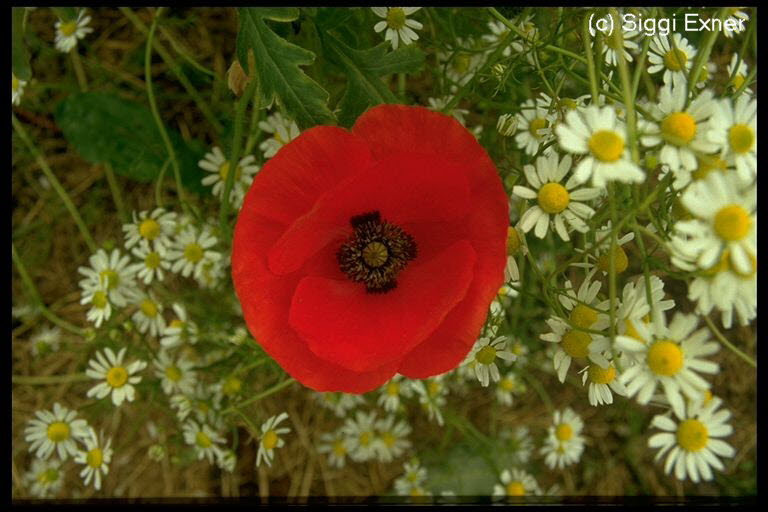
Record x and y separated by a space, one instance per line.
526 45
671 356
212 272
192 250
634 306
521 350
270 438
45 341
673 55
461 64
556 203
515 245
153 261
55 431
204 439
336 445
682 131
391 392
226 460
735 23
283 131
154 228
438 104
564 444
484 354
117 378
392 439
177 376
17 89
203 402
560 106
509 385
44 478
734 128
520 442
113 274
535 125
726 219
96 295
339 403
516 483
70 31
180 330
601 382
598 134
361 436
625 44
414 476
149 315
737 72
693 445
598 253
399 27
498 32
229 387
218 165
96 458
432 393
708 70
502 300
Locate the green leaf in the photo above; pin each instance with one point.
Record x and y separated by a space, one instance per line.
19 52
363 69
105 128
277 68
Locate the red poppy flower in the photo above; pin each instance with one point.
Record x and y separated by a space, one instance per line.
360 255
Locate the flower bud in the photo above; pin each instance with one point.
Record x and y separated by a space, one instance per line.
507 125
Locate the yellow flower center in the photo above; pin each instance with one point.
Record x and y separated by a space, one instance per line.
202 440
536 125
231 386
576 343
583 316
563 432
678 128
224 170
621 260
507 384
48 476
553 198
707 164
692 435
58 431
14 83
149 229
173 373
460 63
94 458
395 18
339 449
365 438
433 388
388 439
738 80
393 388
177 323
515 489
117 376
606 145
111 277
665 358
600 375
68 28
193 252
99 300
375 254
152 260
513 241
732 223
269 440
568 103
675 59
203 407
148 307
486 355
741 137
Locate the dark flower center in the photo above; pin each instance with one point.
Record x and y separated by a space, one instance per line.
376 252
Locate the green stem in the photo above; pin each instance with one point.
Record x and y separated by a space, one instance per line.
43 380
702 56
54 183
747 81
593 88
179 48
35 296
159 183
270 391
79 71
727 343
612 266
116 195
629 99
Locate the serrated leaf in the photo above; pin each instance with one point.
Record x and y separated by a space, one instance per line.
277 68
19 52
105 128
363 68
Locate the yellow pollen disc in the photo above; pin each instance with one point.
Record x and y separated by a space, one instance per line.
94 458
568 103
68 28
515 489
111 277
375 254
388 439
707 164
513 241
231 386
224 170
48 476
152 260
148 307
149 229
365 438
576 343
665 358
460 63
621 261
507 384
99 300
193 252
675 59
173 373
583 316
203 407
678 128
395 18
553 198
202 440
738 81
606 145
393 388
600 375
339 449
692 435
732 223
14 83
486 355
177 323
433 388
58 431
741 138
536 125
563 432
269 440
117 376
